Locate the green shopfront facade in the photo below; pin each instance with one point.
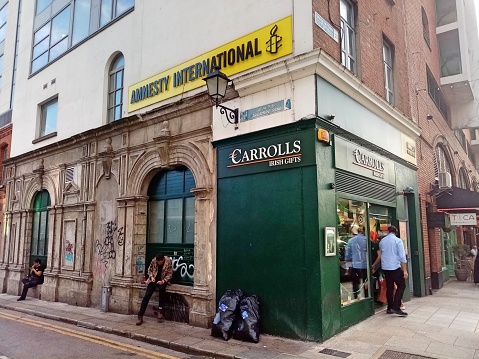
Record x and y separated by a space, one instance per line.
279 193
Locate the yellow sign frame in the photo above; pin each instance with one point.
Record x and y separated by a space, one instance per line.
259 47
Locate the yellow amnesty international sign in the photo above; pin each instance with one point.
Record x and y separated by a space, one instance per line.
266 44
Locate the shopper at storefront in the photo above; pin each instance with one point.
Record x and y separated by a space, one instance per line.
393 264
356 253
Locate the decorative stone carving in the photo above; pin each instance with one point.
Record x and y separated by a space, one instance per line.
39 172
106 158
163 144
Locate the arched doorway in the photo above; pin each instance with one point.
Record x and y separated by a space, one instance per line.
39 245
171 221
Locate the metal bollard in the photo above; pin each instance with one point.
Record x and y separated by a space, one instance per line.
105 298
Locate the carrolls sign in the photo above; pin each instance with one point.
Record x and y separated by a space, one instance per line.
354 158
278 154
295 149
375 165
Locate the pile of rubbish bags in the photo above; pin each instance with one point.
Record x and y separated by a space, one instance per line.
238 317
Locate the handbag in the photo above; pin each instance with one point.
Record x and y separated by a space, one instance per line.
382 289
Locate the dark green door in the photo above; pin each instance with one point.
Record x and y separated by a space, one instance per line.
171 221
39 246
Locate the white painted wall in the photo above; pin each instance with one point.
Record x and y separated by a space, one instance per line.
156 36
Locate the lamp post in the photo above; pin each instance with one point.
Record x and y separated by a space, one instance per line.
216 82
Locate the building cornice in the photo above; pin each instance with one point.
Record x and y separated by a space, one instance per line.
319 63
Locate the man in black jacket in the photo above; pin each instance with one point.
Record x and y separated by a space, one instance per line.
34 278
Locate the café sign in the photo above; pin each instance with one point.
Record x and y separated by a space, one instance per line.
463 219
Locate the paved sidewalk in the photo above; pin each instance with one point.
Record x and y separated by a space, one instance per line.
443 325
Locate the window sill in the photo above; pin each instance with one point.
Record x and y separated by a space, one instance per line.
46 137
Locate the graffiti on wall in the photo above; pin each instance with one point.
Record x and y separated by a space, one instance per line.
69 253
184 269
105 248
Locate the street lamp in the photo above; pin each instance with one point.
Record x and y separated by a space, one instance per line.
216 82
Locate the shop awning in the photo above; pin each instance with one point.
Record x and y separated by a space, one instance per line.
457 200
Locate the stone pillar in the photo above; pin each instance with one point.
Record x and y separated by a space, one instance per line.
202 306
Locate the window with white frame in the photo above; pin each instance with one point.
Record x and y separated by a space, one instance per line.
48 121
388 56
70 26
115 88
348 41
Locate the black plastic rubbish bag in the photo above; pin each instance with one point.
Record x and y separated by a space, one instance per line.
223 324
248 324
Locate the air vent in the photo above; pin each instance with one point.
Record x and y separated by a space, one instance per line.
445 180
69 174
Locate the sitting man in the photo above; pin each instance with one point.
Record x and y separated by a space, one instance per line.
160 272
34 278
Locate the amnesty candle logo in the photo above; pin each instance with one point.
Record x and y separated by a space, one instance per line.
266 44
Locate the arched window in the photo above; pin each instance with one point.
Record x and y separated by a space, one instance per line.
463 180
441 161
115 88
39 246
171 221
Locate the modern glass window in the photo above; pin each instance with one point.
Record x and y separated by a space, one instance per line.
51 40
446 12
39 246
388 71
450 53
111 9
42 5
436 95
3 22
171 221
71 26
81 21
49 113
348 35
1 70
115 88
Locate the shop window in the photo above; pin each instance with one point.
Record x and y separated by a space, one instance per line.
48 121
171 221
115 88
39 246
348 36
353 249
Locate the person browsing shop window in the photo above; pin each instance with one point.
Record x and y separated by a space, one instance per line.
160 272
35 277
356 253
393 264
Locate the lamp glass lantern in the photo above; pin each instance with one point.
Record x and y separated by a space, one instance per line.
217 82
